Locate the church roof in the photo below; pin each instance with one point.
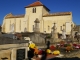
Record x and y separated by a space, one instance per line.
10 15
37 3
58 14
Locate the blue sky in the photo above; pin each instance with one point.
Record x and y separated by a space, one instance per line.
17 7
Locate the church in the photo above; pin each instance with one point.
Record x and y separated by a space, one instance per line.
45 20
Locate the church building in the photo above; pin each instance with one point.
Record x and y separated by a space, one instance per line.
37 11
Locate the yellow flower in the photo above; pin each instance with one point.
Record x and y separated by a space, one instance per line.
48 51
32 45
56 52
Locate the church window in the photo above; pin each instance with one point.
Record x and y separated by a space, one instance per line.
45 32
12 27
20 24
33 27
25 29
34 10
61 28
48 28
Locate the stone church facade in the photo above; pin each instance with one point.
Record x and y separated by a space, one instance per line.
37 10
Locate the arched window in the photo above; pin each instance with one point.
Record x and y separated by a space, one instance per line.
25 29
48 28
12 27
20 25
33 27
34 10
61 28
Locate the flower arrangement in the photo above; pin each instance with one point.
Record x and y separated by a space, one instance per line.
56 52
48 51
68 48
40 52
62 43
32 45
36 50
52 47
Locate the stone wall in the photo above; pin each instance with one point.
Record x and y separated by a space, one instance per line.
36 38
9 50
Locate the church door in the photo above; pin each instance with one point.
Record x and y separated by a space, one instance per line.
20 54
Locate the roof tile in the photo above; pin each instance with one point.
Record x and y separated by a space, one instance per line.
38 3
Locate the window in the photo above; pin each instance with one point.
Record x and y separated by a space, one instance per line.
61 28
12 27
48 28
33 27
34 10
20 25
25 29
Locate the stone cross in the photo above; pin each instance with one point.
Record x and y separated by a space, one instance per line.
72 32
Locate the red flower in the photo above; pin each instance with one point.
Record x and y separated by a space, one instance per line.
74 44
40 52
52 47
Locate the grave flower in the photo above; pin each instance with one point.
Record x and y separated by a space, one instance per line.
32 45
56 52
52 47
48 51
40 52
68 48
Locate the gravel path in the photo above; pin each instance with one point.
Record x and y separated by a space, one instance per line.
75 53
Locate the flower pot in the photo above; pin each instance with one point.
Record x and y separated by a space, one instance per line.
39 56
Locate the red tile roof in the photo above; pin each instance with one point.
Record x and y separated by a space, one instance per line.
37 3
10 15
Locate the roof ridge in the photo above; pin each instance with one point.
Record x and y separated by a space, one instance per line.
60 12
37 3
